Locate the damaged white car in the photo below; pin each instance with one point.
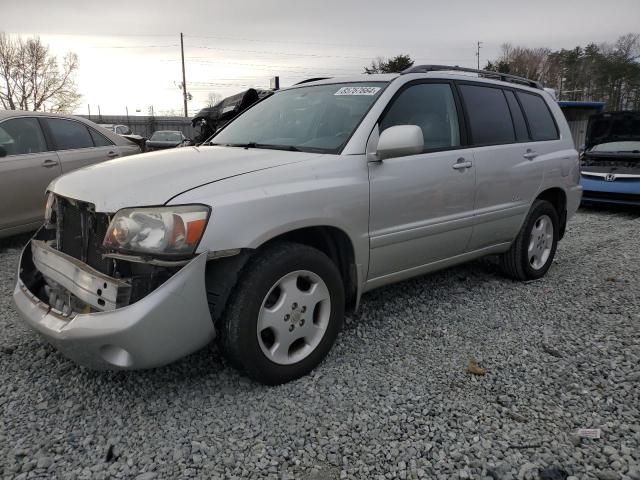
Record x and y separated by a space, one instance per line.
265 236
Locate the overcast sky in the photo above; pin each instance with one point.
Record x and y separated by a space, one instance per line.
129 50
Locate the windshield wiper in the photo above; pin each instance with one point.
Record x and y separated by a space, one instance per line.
289 148
269 146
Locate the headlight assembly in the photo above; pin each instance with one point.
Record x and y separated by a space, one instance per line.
171 230
49 209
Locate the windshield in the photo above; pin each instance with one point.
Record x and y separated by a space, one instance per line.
618 147
316 118
166 137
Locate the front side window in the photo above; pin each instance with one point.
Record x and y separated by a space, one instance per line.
489 116
69 135
540 120
20 136
431 107
318 118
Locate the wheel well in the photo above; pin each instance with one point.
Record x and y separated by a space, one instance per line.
558 199
336 244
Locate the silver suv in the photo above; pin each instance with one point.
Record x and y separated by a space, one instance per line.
267 235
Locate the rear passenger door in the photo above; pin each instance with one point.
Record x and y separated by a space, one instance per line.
508 173
79 145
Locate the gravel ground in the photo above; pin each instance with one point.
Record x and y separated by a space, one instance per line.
393 400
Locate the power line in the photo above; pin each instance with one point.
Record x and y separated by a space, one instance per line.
133 46
292 42
272 52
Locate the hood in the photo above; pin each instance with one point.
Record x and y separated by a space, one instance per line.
612 127
154 178
163 143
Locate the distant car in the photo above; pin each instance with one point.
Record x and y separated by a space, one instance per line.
35 148
210 119
163 139
119 129
610 165
126 132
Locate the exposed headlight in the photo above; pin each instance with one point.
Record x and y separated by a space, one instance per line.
173 230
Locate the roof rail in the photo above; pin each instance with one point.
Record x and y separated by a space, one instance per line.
315 79
505 77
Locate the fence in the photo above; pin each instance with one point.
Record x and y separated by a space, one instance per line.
145 126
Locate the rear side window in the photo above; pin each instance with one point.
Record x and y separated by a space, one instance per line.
522 134
20 136
99 140
69 135
540 120
489 115
431 107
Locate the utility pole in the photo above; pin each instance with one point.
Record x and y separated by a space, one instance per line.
184 79
479 46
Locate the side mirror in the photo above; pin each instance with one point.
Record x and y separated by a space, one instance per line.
400 141
3 152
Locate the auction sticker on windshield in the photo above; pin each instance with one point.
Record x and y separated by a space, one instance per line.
357 91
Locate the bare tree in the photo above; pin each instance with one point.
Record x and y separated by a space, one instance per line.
32 79
213 98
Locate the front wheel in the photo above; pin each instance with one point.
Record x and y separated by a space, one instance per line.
532 252
284 314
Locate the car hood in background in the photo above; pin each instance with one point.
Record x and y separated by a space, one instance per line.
612 127
162 144
155 178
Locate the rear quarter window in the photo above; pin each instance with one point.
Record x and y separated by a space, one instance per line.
99 140
522 134
541 123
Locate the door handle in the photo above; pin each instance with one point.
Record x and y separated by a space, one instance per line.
112 154
461 164
530 154
49 163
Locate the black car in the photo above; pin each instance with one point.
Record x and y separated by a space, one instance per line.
210 119
163 139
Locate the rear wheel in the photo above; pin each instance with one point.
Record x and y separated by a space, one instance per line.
284 314
532 252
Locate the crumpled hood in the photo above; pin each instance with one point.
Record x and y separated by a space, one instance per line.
156 177
612 127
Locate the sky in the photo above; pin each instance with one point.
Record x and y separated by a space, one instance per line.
129 51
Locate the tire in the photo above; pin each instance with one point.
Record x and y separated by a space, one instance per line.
288 290
522 263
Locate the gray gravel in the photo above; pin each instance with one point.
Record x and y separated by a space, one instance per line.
393 400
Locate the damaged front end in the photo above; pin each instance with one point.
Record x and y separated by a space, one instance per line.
105 308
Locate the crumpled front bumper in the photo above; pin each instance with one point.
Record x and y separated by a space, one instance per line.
169 323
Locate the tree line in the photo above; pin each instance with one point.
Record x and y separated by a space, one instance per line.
608 72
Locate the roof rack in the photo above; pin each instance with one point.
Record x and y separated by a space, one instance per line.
315 79
505 77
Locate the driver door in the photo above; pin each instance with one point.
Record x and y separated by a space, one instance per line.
421 206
